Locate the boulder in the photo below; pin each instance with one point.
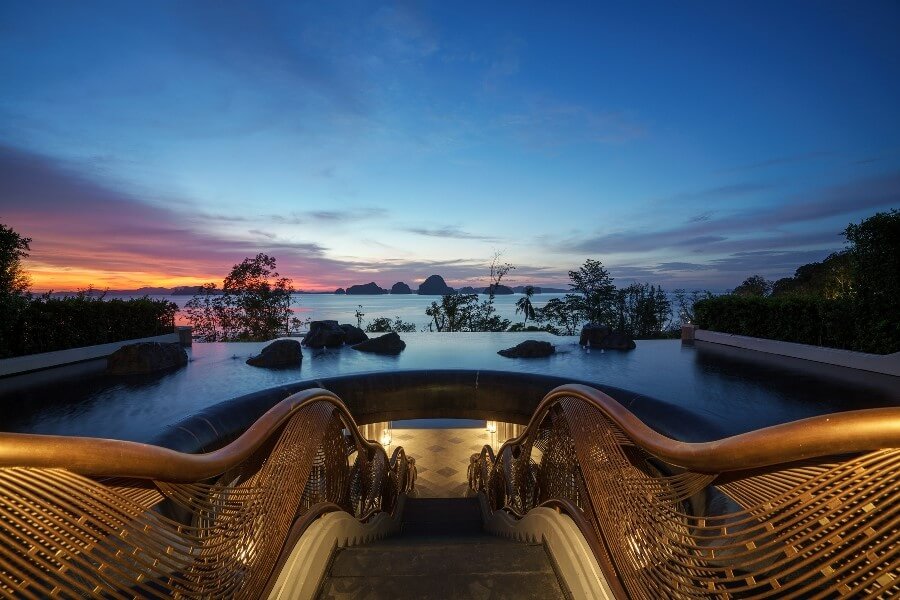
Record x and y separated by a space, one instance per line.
617 341
389 343
434 286
353 334
146 357
400 288
366 289
593 334
324 334
280 353
604 338
340 291
529 349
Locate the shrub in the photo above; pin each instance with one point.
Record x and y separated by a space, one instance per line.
45 324
801 319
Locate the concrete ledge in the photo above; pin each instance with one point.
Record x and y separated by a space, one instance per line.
572 556
47 360
311 556
888 364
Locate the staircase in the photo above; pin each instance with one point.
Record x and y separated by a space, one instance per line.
442 553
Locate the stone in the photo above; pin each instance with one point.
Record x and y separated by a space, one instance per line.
529 349
366 289
400 288
280 353
353 334
324 334
593 334
146 357
389 343
617 341
434 286
604 338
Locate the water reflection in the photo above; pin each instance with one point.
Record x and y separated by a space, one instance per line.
735 390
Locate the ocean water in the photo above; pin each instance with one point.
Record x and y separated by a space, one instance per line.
409 307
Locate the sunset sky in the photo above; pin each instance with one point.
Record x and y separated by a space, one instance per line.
684 143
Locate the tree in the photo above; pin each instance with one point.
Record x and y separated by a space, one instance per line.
563 315
592 283
524 305
874 253
253 305
755 285
498 271
385 325
686 301
643 310
13 284
13 250
454 313
359 315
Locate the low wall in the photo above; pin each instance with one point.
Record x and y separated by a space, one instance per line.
20 365
888 364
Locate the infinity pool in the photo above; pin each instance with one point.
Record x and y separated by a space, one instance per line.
734 390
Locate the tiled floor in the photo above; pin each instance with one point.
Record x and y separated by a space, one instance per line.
442 458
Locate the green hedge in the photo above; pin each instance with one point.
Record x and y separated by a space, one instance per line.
801 319
47 324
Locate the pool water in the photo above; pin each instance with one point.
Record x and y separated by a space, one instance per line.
736 390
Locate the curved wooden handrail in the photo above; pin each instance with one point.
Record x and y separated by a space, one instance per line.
824 435
98 457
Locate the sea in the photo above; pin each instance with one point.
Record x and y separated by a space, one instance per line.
342 308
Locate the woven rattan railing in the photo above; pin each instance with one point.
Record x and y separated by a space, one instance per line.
103 518
809 509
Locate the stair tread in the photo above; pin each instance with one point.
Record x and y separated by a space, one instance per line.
426 587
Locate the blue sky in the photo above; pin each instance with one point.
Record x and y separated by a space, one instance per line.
689 144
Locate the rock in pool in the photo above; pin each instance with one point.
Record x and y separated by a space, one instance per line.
528 349
353 334
280 353
389 343
604 338
146 357
324 334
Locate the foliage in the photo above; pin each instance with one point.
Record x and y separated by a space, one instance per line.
596 293
831 278
13 250
497 272
253 305
521 327
385 325
46 324
564 315
801 319
686 302
874 257
643 311
524 305
13 284
755 285
463 312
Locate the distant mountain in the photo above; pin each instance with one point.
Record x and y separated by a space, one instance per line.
367 289
434 286
400 288
499 290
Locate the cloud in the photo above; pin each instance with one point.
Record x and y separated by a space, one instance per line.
79 223
450 231
334 217
777 161
754 228
721 192
552 125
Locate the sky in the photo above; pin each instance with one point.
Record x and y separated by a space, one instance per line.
687 144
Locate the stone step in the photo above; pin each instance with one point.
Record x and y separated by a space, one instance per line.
484 556
519 586
441 516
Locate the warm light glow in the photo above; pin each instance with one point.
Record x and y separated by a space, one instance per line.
492 426
386 438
